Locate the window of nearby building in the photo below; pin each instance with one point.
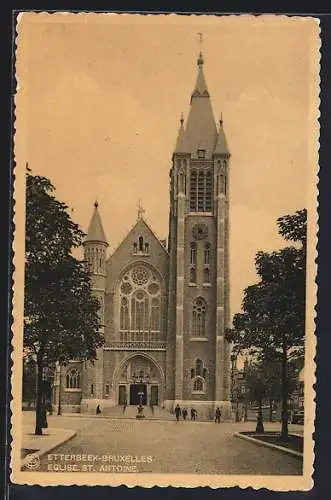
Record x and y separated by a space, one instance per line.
199 318
201 153
92 390
73 378
107 389
201 190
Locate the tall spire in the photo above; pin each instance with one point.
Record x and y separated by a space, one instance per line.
95 230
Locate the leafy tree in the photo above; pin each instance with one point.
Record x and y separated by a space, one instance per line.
61 320
274 308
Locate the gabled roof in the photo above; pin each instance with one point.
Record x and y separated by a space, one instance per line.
95 230
140 222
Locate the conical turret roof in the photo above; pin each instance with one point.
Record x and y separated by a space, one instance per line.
221 147
180 144
95 230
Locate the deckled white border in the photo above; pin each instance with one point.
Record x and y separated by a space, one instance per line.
278 483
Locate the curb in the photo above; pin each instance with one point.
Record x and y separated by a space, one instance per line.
296 454
39 454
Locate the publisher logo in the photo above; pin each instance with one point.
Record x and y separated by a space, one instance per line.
32 462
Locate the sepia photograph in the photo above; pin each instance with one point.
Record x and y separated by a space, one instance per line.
164 250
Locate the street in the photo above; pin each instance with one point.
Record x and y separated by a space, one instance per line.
163 447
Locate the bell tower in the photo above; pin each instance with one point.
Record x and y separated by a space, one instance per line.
198 364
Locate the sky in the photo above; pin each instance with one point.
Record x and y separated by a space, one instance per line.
99 103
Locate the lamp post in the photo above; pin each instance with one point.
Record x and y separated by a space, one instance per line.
259 419
233 360
59 408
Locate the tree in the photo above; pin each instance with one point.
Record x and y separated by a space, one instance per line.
61 319
274 308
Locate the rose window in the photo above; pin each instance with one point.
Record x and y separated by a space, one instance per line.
140 275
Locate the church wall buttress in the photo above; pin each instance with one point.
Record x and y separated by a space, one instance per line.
222 297
180 295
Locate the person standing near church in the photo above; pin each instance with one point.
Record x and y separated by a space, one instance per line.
177 412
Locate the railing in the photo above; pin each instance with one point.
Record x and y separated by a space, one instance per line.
137 345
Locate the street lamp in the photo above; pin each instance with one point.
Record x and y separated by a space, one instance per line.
259 390
233 361
59 408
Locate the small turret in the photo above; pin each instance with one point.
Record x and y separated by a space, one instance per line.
95 244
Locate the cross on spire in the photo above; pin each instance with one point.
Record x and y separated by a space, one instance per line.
141 210
200 58
200 39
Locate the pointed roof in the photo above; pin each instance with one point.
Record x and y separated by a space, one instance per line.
140 223
95 230
221 147
180 144
200 131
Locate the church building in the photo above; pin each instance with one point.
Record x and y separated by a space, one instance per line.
165 305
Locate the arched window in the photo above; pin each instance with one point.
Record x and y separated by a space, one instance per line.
199 318
146 247
73 379
101 309
208 192
193 275
140 305
193 191
198 368
124 314
201 185
207 254
198 385
135 249
193 253
141 244
181 182
155 315
201 190
206 275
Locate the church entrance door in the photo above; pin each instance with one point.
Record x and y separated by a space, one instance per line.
135 389
121 395
154 395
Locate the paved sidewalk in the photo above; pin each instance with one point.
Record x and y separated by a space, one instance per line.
39 445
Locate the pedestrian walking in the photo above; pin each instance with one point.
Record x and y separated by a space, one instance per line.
177 412
218 415
184 413
125 404
98 411
152 408
193 413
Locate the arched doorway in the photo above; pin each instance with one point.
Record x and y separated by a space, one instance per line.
139 376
